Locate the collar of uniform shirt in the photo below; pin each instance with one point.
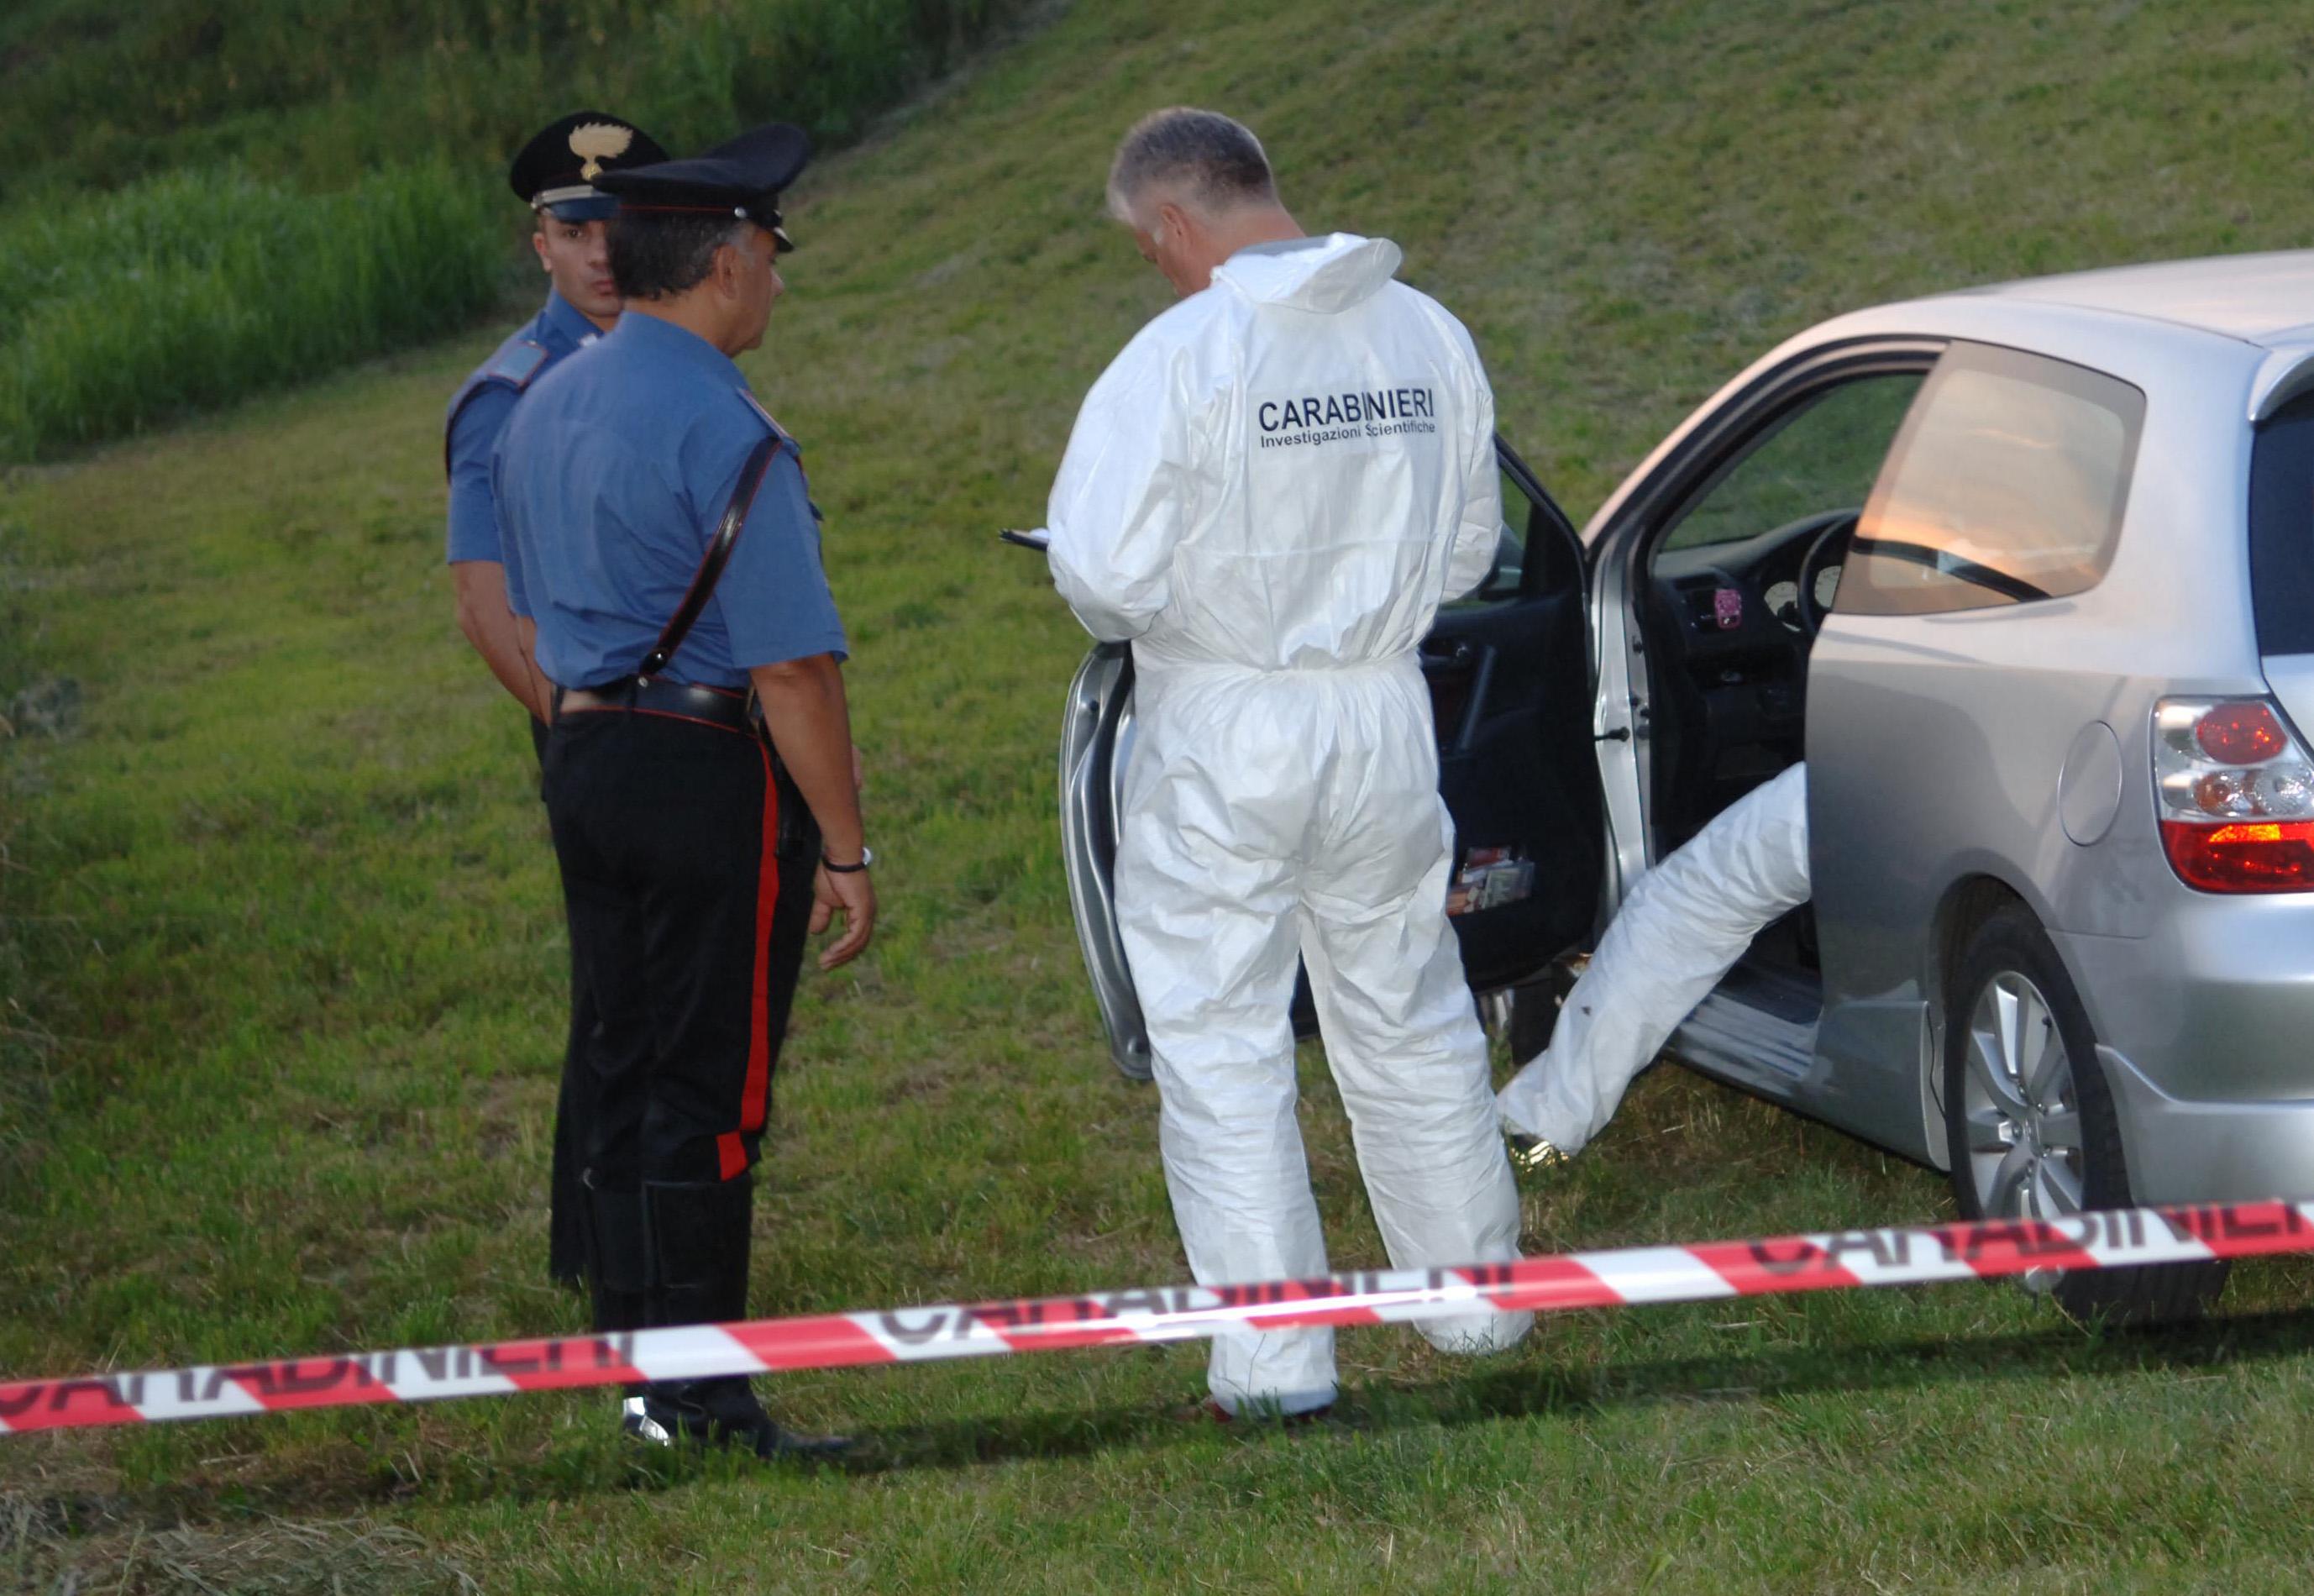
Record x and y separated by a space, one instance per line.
563 317
658 338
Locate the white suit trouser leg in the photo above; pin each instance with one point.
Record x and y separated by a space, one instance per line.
1225 872
1215 973
1403 1039
1678 933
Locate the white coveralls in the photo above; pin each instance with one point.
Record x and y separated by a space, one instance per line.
1270 492
1678 933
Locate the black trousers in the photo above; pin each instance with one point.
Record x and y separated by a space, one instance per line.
686 860
566 1218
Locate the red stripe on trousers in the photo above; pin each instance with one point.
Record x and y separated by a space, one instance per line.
731 1153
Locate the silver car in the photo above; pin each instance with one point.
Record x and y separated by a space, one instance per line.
2027 574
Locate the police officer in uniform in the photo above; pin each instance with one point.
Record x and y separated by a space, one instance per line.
554 175
661 536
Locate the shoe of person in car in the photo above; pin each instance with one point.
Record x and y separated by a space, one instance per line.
720 1413
1531 1155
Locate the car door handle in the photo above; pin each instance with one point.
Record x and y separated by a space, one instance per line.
1457 654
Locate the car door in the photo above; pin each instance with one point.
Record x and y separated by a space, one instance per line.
1510 680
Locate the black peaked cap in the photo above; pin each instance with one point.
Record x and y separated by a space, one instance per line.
557 170
741 177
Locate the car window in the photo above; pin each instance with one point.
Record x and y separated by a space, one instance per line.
1820 456
1522 518
2281 530
2007 486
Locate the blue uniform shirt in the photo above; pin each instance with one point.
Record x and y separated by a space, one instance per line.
611 477
478 413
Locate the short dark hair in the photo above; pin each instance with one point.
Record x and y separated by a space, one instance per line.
656 253
1213 161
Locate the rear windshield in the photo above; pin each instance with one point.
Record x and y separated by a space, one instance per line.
2281 530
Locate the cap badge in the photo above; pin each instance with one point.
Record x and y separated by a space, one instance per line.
594 143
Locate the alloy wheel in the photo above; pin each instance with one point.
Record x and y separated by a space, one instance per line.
2020 1109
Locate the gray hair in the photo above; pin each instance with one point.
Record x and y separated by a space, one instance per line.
655 254
1211 162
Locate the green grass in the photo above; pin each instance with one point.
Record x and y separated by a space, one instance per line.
205 286
101 92
290 914
204 202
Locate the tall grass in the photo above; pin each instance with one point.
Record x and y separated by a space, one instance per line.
204 202
97 92
199 288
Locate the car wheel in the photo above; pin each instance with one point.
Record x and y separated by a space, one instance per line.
2032 1127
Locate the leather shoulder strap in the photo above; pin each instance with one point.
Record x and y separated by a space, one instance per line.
712 563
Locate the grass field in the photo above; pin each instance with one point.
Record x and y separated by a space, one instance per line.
284 958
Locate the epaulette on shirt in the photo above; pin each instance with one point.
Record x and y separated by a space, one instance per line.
778 431
517 363
785 436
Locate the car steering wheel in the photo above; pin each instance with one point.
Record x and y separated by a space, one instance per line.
1838 528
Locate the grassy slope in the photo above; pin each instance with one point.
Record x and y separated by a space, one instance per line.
292 894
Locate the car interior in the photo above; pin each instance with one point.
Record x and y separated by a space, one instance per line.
1738 582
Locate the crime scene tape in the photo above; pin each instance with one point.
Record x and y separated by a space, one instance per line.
2113 1239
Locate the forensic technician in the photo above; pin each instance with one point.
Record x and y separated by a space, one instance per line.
1269 492
662 539
554 175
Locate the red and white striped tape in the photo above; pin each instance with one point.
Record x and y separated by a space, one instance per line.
2120 1238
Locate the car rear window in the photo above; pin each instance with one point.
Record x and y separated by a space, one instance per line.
2006 486
2281 530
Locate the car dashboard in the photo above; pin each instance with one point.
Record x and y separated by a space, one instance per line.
1730 645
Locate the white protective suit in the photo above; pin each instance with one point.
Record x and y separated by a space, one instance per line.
1678 933
1270 492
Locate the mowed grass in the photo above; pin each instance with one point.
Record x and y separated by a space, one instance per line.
287 908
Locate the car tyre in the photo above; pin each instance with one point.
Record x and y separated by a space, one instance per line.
2031 1124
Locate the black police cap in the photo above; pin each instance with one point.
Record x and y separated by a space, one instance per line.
556 170
740 177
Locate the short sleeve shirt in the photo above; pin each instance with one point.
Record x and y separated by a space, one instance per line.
609 478
478 414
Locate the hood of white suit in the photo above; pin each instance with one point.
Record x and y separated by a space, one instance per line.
1325 275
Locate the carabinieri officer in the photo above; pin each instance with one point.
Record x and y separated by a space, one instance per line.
661 536
554 175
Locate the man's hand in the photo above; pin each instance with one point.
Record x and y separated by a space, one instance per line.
811 726
498 633
848 892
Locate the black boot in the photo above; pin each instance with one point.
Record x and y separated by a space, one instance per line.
618 1257
618 1268
698 1237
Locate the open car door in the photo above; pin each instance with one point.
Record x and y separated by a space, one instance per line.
1509 669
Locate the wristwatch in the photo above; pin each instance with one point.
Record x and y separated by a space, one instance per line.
867 858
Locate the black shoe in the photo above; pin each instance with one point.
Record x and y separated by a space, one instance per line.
720 1414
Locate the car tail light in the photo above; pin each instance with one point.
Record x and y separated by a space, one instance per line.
2236 791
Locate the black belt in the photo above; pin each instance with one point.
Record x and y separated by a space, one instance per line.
723 708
